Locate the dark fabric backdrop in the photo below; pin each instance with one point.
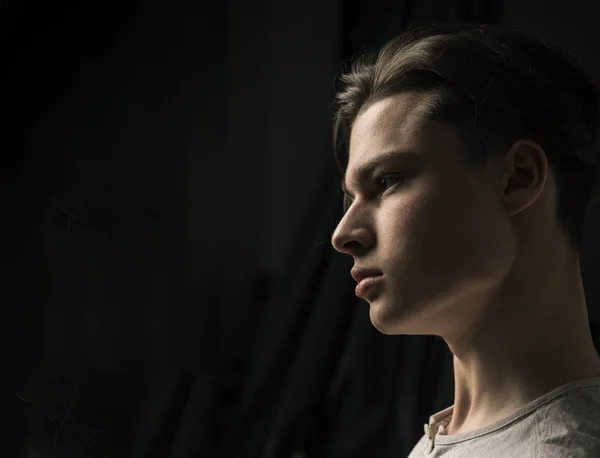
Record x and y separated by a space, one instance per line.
319 380
316 377
39 62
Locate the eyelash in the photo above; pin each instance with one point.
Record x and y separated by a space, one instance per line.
380 188
383 178
398 179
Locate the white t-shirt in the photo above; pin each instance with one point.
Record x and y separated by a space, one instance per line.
564 423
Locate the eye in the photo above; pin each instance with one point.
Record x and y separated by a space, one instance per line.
389 181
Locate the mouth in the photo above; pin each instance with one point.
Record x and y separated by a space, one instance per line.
367 285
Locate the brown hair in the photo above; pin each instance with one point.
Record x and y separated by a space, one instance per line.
496 86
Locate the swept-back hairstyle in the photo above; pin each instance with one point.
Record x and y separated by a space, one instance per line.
496 86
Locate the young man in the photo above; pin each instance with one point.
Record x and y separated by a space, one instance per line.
471 157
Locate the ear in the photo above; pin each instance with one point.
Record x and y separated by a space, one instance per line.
526 172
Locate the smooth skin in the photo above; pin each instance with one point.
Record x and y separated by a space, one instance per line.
473 254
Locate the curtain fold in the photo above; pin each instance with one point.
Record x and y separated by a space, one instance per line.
320 380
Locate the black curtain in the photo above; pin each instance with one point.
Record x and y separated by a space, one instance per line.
320 380
39 59
368 25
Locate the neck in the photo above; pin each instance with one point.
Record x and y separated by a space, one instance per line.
530 341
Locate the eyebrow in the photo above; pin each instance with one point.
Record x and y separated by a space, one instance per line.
366 169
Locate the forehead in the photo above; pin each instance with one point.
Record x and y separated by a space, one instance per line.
397 129
394 123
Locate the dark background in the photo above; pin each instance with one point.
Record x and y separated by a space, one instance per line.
168 196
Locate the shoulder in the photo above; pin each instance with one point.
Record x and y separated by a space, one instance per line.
569 426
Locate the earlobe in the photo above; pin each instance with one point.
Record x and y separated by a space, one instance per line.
526 168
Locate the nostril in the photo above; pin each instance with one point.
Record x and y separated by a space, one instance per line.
352 245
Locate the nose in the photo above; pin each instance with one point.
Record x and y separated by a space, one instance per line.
352 236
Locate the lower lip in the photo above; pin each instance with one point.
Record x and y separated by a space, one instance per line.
363 287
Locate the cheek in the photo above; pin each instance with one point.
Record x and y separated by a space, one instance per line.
445 235
479 239
396 220
403 230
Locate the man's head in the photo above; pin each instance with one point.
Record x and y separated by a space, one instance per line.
466 145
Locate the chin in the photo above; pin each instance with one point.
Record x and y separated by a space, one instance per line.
388 329
396 329
390 321
383 320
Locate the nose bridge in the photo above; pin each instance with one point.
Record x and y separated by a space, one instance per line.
352 227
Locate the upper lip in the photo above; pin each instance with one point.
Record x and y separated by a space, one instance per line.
360 273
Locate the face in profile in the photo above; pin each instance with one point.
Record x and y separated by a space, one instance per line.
429 229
